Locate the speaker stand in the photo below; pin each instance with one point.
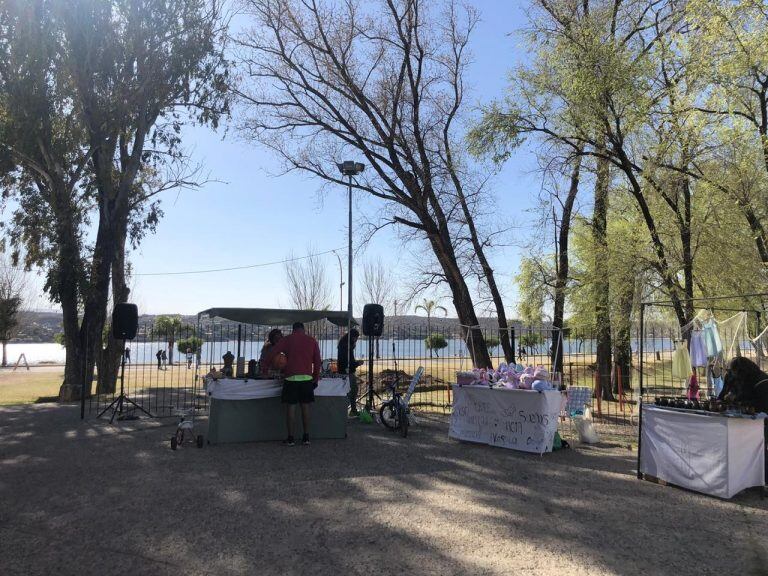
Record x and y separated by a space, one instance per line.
117 404
369 401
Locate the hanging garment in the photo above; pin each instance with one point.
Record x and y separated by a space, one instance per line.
717 385
698 349
712 338
693 388
681 362
760 345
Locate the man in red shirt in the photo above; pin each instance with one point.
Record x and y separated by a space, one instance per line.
302 373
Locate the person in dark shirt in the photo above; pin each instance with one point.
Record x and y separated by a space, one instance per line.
343 357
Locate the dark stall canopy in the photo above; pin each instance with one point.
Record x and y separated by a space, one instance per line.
276 316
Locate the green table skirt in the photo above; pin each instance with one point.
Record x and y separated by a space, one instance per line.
263 419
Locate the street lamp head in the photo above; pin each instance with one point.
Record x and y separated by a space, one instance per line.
350 168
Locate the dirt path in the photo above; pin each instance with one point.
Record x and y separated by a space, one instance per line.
89 498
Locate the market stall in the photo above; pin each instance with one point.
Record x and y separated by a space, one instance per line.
246 406
512 407
691 433
714 453
250 410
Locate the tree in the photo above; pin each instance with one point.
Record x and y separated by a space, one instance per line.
435 342
728 52
94 95
378 285
169 327
532 282
307 282
192 344
601 65
13 294
383 83
429 307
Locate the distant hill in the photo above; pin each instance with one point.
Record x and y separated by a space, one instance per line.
43 326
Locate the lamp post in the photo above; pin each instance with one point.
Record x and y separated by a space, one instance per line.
341 281
350 168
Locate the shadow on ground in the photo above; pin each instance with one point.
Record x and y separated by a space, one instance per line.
91 498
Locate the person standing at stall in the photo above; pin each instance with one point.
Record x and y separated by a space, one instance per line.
274 336
302 373
344 355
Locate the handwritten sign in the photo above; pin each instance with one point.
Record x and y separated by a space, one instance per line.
515 419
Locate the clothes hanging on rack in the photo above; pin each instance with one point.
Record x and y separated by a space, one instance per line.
681 361
760 345
712 338
698 349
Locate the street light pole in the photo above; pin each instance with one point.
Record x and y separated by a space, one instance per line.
341 281
350 168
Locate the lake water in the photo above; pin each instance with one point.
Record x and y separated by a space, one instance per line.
144 352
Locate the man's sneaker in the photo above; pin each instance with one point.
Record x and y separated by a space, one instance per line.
305 440
289 441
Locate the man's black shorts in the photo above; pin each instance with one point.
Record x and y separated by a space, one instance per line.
298 392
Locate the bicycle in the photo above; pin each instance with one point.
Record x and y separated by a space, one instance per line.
394 413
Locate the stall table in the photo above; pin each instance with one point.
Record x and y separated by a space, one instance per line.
251 411
715 454
523 420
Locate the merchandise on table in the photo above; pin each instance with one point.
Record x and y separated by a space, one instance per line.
508 376
711 405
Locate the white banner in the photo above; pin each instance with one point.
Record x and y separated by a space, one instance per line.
518 419
232 389
712 454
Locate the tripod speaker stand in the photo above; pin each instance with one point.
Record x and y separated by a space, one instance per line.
117 404
125 321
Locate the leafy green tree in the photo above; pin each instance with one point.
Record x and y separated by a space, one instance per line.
13 287
434 343
170 328
531 340
193 344
492 342
94 94
533 281
430 307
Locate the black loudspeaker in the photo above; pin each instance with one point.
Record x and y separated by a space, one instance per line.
373 320
125 321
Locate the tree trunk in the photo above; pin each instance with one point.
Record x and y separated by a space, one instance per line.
462 299
171 342
5 354
561 281
485 265
110 358
67 277
622 337
601 281
85 348
687 250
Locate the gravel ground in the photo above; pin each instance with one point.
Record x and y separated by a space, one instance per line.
90 498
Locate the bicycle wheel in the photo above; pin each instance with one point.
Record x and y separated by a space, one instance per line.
402 418
388 415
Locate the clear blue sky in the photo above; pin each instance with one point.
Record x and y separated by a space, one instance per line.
252 217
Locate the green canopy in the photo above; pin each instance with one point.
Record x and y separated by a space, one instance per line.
276 316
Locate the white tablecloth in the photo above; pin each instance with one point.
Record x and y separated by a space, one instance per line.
712 454
231 389
517 419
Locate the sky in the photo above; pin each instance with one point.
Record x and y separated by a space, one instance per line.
247 215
